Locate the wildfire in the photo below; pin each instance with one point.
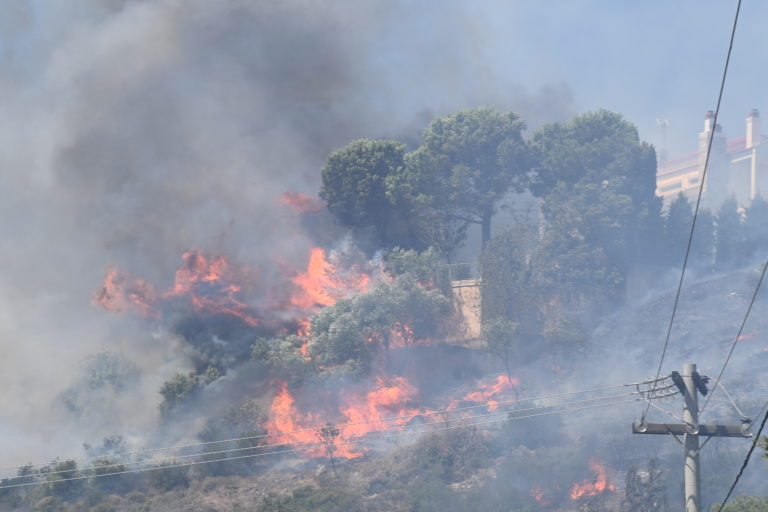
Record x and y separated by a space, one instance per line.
302 203
381 408
539 494
123 292
209 285
322 284
490 392
595 486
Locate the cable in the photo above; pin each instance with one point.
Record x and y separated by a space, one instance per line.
744 464
426 413
698 198
349 436
26 484
736 339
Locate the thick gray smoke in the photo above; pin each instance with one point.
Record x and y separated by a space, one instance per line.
135 130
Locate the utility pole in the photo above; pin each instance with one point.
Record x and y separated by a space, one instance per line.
690 383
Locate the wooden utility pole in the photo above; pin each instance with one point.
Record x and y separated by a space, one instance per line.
690 383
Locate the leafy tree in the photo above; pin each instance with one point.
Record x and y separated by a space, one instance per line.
677 229
182 388
285 356
513 282
354 189
730 240
467 162
597 182
422 265
59 482
348 332
744 504
501 338
756 227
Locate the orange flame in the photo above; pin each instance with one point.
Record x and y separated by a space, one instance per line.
321 284
209 285
122 292
302 203
490 392
539 494
359 415
595 486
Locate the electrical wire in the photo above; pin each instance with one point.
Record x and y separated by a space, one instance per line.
342 425
698 198
355 438
736 338
746 461
293 450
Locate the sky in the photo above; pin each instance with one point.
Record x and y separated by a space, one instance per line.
134 130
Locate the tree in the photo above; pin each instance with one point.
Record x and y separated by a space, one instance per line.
677 229
703 245
730 240
501 338
354 189
182 388
755 227
347 333
467 162
597 182
744 504
421 265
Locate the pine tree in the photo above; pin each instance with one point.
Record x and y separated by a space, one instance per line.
677 229
756 228
729 246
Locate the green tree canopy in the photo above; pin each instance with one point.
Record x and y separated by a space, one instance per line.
467 162
354 189
597 181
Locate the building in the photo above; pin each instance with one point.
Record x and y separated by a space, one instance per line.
737 167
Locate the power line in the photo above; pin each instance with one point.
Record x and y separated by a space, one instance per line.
352 437
744 464
292 450
342 425
736 339
698 198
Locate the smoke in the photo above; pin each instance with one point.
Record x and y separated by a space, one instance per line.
136 130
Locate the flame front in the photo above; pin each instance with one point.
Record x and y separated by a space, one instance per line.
387 405
592 487
321 284
210 286
490 392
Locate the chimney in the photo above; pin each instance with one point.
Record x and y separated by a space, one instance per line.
708 118
753 129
